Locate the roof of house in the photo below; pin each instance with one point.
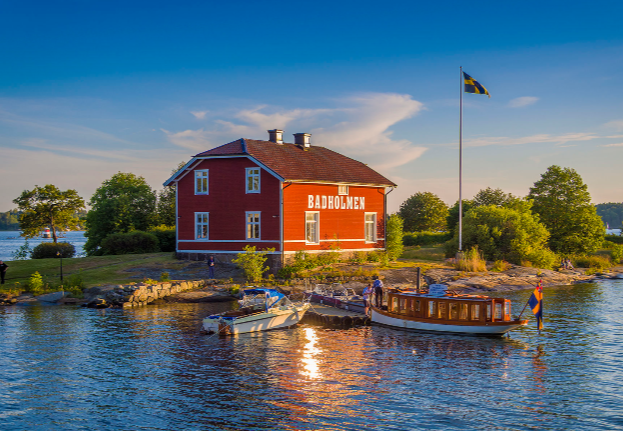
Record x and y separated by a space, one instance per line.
293 163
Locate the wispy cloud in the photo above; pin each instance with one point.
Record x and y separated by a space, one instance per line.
358 126
615 124
520 102
532 139
613 145
200 115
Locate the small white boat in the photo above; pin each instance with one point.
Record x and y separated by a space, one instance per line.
444 311
260 310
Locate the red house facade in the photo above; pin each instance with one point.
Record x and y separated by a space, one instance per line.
272 194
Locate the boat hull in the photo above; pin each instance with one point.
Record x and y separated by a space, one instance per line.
489 328
275 318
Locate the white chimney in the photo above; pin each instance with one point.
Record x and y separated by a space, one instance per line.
302 139
275 136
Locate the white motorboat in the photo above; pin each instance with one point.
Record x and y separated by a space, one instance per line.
260 310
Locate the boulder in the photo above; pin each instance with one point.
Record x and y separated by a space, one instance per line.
52 297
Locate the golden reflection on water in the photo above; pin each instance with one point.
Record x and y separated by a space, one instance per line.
310 351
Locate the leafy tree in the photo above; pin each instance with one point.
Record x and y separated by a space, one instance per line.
252 262
48 206
424 211
611 213
395 234
511 234
122 204
491 196
9 220
166 201
563 203
453 214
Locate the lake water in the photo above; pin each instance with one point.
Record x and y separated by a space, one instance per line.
10 241
66 368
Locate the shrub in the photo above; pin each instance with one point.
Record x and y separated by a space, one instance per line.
252 262
425 238
500 266
595 263
164 276
75 285
130 243
166 237
22 252
359 257
614 238
471 261
47 250
35 284
395 236
616 254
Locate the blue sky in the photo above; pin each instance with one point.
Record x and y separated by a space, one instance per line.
88 89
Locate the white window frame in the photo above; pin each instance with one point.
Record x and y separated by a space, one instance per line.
342 190
203 222
316 222
203 187
249 176
373 222
248 224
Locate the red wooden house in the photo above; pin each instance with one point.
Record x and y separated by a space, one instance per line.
272 194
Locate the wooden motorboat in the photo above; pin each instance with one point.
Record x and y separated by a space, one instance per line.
260 310
441 310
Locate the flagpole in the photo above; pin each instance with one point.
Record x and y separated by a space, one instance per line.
461 162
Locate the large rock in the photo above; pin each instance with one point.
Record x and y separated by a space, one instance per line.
52 297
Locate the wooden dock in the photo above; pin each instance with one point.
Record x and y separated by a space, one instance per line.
332 317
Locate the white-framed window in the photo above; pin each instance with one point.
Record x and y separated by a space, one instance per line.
370 227
311 227
342 190
201 182
253 224
253 180
202 225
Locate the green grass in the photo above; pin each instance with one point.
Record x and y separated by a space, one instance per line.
94 270
435 254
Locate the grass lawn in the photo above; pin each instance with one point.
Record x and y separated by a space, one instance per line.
433 253
94 270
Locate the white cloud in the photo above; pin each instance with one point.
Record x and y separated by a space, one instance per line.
520 102
613 145
540 138
200 115
358 127
615 124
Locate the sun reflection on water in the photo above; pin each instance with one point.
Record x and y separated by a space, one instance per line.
309 355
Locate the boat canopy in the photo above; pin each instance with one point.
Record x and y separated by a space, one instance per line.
272 295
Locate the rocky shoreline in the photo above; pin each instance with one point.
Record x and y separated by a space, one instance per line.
194 291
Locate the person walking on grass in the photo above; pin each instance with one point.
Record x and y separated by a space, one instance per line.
3 268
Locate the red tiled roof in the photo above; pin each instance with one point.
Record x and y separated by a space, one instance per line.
294 163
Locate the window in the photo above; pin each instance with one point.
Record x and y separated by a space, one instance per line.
395 308
463 310
415 306
342 190
311 228
431 308
475 311
201 225
253 225
201 182
403 306
441 310
370 227
454 311
498 311
253 180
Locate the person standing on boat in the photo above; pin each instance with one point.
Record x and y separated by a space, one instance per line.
367 292
378 292
211 267
3 268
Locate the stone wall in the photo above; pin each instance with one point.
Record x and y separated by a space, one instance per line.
136 295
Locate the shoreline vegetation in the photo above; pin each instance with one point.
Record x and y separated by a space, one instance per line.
90 274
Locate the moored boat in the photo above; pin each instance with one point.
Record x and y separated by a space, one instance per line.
337 296
260 310
440 310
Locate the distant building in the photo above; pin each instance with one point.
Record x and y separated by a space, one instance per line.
613 232
273 194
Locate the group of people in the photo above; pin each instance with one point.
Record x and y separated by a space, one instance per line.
374 290
566 264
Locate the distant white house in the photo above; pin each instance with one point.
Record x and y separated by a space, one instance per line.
613 232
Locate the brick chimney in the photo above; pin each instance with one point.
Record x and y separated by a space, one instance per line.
275 136
302 139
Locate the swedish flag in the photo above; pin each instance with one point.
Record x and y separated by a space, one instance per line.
536 304
473 86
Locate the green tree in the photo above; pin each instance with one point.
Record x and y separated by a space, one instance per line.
395 233
563 203
48 206
252 262
511 234
122 204
424 211
611 213
453 214
166 201
491 196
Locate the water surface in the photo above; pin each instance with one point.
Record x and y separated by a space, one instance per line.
65 368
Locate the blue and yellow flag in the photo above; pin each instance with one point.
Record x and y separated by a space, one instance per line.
473 86
536 304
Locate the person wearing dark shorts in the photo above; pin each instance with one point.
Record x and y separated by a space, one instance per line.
3 268
378 292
